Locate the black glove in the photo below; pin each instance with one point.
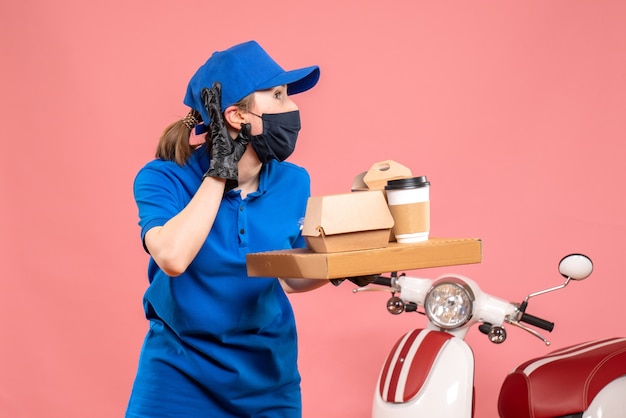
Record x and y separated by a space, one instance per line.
360 281
225 151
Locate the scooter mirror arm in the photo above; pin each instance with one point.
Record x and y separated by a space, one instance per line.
541 292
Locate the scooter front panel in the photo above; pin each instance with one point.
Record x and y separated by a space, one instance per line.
409 363
427 372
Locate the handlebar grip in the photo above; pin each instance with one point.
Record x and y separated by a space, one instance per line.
537 322
383 281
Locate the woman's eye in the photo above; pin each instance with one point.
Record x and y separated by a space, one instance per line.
280 92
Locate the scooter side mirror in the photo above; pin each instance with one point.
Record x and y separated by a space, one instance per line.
575 266
572 267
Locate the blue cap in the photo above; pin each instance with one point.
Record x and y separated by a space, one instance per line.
242 70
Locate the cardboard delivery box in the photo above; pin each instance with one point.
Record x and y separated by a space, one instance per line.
304 263
347 222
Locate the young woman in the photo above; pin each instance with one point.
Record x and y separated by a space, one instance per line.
222 344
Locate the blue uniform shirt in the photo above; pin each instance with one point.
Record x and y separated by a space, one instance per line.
220 344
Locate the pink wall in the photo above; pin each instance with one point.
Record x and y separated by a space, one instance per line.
516 111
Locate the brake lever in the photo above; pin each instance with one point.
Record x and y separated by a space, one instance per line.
373 289
515 323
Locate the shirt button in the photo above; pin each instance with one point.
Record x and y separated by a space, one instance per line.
242 231
240 208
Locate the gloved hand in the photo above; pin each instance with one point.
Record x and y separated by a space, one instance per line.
225 151
360 281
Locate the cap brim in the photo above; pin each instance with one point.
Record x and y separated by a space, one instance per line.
297 81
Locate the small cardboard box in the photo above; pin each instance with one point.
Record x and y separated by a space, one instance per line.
379 173
303 263
347 222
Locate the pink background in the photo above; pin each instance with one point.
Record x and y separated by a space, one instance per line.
515 110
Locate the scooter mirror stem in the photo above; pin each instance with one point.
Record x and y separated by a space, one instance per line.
552 289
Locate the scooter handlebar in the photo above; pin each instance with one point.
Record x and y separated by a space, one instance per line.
383 281
537 322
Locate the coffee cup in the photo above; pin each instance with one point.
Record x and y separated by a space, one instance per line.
409 204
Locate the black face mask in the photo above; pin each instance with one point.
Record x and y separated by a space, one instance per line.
278 140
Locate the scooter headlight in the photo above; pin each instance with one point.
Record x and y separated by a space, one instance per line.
449 303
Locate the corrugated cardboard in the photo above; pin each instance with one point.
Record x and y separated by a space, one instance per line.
303 263
347 222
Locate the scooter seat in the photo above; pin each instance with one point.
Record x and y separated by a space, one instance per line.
563 382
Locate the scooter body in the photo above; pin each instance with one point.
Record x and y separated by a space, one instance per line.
427 370
609 402
430 372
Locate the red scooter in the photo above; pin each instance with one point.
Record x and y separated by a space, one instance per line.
430 371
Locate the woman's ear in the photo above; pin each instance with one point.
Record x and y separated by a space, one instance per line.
234 117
